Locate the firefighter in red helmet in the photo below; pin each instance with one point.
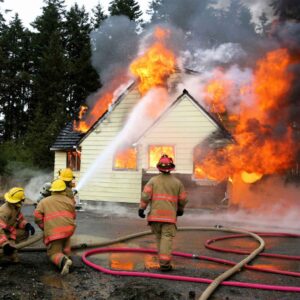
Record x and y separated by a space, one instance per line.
167 198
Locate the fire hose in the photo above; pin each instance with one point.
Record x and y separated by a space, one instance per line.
213 284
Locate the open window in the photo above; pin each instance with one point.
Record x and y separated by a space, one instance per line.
74 160
156 151
125 159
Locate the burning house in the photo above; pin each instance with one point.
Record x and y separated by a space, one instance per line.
229 129
175 130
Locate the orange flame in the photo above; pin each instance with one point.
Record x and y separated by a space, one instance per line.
216 93
126 159
259 148
155 65
155 153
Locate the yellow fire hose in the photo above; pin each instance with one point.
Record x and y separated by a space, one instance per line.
210 289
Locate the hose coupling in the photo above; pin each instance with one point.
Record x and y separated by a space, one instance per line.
196 256
218 226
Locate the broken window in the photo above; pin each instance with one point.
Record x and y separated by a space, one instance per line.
156 151
125 159
73 160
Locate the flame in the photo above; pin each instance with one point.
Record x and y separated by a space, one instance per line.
155 153
217 92
155 65
250 177
126 159
258 148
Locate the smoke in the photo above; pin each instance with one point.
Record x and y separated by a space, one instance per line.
33 187
114 45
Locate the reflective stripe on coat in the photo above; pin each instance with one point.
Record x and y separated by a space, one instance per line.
165 194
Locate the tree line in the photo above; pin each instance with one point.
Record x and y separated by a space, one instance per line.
46 72
45 75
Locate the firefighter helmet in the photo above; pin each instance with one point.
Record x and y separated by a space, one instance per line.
58 185
165 164
66 174
15 195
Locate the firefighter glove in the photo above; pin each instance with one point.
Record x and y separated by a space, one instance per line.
141 213
8 249
179 212
30 228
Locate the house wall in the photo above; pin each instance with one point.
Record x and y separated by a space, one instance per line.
183 126
107 184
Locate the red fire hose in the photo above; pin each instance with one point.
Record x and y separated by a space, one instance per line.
205 280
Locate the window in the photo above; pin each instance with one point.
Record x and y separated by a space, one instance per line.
125 159
73 160
156 151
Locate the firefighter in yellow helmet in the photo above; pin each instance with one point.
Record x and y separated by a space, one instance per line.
13 226
55 215
167 198
67 176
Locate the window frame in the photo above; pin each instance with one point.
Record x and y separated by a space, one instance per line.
77 163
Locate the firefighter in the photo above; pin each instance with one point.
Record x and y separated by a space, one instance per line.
14 228
55 215
67 176
167 198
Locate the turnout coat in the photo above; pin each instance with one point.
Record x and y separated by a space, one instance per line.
55 215
11 219
165 194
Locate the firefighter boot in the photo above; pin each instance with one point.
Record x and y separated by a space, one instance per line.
66 263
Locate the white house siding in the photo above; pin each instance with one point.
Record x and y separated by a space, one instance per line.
184 126
106 184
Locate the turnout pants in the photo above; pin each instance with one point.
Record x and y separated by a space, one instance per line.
164 233
59 249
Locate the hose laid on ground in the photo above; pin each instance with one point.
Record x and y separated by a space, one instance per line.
29 241
182 278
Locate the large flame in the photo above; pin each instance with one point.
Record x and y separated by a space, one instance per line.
152 69
155 65
260 147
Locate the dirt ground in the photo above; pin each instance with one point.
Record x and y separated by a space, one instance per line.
36 278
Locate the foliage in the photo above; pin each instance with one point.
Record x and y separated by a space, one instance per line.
129 8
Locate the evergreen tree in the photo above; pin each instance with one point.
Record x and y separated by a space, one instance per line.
16 69
49 100
81 76
129 8
98 16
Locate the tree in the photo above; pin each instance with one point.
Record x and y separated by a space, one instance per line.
286 9
15 79
98 17
48 106
82 79
129 8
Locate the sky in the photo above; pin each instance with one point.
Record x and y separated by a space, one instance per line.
28 10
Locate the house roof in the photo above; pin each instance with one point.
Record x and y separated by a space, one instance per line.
69 139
